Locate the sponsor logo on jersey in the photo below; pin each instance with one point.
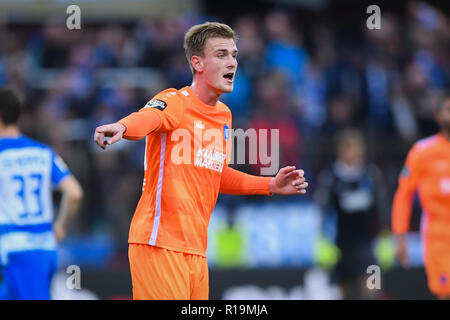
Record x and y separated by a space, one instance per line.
156 103
210 159
198 124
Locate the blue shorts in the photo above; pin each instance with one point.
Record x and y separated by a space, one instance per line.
28 275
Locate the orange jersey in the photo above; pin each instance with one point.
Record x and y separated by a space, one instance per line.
188 145
427 170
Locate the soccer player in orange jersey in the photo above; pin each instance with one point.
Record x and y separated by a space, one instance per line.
188 146
427 170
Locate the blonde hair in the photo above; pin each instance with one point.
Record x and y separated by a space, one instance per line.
196 37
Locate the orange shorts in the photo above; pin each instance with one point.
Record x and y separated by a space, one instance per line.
161 274
437 267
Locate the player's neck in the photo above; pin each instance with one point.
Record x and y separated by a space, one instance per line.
205 93
9 131
350 164
446 135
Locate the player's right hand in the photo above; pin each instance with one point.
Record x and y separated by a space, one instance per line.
114 131
59 231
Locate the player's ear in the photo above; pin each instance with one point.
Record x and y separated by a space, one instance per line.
197 63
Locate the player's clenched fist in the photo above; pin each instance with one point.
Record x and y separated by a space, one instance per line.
114 131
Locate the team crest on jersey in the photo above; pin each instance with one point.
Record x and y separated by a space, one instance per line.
156 103
226 132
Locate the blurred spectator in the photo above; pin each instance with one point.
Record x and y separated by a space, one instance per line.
285 50
351 192
274 112
342 112
250 58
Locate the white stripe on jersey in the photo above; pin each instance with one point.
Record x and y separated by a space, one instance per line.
158 191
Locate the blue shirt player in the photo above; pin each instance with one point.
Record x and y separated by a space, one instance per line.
29 171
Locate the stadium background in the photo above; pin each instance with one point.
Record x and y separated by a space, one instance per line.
306 67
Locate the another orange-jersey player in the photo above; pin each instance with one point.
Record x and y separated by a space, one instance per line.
427 170
187 146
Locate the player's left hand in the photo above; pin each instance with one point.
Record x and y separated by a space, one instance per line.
288 181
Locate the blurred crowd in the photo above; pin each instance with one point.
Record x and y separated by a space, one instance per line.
308 82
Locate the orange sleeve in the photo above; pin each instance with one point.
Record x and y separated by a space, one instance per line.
139 124
239 183
162 113
404 196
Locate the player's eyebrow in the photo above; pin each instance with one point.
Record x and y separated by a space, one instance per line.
226 51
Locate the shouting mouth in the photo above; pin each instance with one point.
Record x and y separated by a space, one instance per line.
229 77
